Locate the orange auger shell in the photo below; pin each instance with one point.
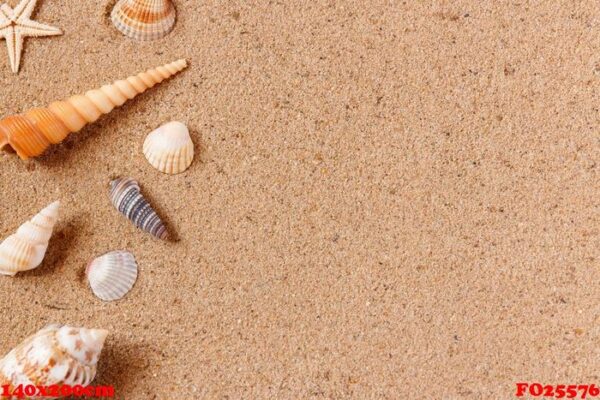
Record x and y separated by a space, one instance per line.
31 133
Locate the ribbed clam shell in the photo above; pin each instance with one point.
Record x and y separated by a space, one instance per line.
126 196
169 148
26 249
55 355
144 19
112 275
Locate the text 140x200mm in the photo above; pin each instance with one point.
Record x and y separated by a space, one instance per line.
26 391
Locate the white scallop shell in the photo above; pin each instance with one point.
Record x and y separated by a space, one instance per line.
169 148
112 275
144 19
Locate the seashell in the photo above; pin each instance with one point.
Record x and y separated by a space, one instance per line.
55 355
126 196
144 19
169 148
31 133
26 249
112 275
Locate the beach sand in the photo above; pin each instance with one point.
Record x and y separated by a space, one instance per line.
389 199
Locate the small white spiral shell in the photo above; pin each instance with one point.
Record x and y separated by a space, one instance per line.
26 249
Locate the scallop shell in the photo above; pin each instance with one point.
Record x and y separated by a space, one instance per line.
169 148
126 196
144 19
31 133
26 249
55 355
112 275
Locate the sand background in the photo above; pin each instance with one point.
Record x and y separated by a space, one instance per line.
390 199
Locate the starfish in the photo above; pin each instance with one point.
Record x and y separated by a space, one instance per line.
16 25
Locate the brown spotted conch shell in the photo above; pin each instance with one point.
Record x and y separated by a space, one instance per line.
31 133
144 19
55 355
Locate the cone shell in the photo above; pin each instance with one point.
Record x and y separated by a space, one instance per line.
126 196
112 275
144 19
56 355
26 249
31 133
169 148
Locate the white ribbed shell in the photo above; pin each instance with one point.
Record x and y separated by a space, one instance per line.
112 275
169 148
26 249
144 19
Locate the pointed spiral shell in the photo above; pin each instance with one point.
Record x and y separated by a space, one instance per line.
55 355
31 133
25 249
126 196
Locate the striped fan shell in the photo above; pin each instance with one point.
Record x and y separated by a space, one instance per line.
112 275
126 196
144 19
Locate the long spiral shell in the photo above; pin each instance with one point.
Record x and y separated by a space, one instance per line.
26 249
31 133
126 196
55 355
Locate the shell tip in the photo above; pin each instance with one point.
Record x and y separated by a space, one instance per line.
183 63
165 236
99 334
96 338
53 207
114 181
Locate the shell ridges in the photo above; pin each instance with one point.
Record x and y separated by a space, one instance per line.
25 249
169 148
144 19
112 275
126 196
